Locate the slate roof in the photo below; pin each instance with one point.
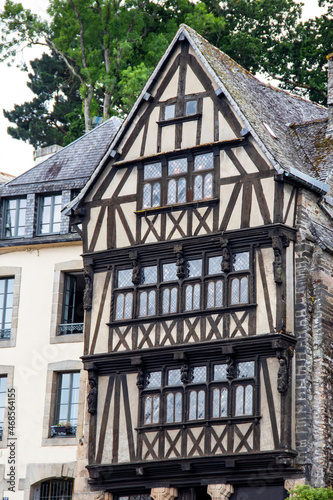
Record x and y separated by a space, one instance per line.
72 166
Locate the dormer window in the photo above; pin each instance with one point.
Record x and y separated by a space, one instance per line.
185 179
14 218
49 214
191 107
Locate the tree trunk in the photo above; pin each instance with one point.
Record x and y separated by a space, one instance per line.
87 101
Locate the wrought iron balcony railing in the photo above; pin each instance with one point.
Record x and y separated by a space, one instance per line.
5 333
70 328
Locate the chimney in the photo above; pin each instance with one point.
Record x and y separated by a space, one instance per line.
329 131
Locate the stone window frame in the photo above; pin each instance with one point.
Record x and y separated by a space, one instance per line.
50 399
8 371
16 272
60 269
37 473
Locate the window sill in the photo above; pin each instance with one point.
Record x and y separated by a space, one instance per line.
177 206
179 119
66 339
61 441
7 343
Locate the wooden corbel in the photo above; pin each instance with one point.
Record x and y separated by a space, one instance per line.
93 392
88 288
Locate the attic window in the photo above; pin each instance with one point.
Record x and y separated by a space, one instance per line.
268 128
169 112
191 107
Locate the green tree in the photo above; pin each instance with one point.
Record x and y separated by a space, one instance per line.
308 493
54 116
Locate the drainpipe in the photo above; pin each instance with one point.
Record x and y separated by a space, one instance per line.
329 131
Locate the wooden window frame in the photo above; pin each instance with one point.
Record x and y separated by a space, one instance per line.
16 225
40 207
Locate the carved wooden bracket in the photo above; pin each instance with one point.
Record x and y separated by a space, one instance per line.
226 264
284 353
279 241
88 289
180 263
140 378
164 493
92 395
220 491
136 273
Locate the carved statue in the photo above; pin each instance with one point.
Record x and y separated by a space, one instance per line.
277 264
283 375
92 396
185 373
140 379
180 262
136 273
226 256
231 369
88 289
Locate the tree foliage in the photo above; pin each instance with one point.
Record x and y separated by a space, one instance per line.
111 47
308 493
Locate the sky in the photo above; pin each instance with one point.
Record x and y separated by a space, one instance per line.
17 156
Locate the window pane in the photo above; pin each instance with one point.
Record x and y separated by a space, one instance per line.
125 278
193 405
148 403
151 303
178 407
199 374
224 402
241 261
214 265
204 161
169 112
156 194
176 167
216 403
188 297
120 306
218 294
211 294
198 187
245 369
166 301
235 291
172 186
243 290
146 196
143 304
196 297
173 302
170 407
239 400
149 275
248 407
191 107
170 272
201 404
181 191
220 372
154 379
194 268
128 306
156 408
152 171
208 186
174 377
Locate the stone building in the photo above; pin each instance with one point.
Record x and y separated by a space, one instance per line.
207 233
42 386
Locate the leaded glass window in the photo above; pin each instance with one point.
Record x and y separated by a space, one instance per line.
203 187
214 265
174 407
154 380
177 191
149 275
174 377
244 400
241 261
194 268
199 374
170 272
177 167
245 369
215 294
152 189
239 290
169 300
204 162
220 402
197 405
220 372
152 409
147 303
14 217
124 278
124 305
192 297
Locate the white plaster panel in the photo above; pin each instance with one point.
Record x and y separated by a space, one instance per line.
151 140
290 285
101 242
170 225
134 151
168 138
193 84
108 442
94 213
262 319
255 217
219 430
150 436
151 238
172 434
266 435
245 160
133 396
196 431
173 333
287 190
227 167
193 53
103 333
121 236
100 180
225 131
233 325
130 185
243 428
189 134
114 184
235 219
102 388
171 89
209 220
171 59
152 335
207 129
268 186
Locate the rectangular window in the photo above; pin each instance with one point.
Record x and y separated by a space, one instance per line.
3 398
14 217
72 317
6 306
66 406
152 174
49 214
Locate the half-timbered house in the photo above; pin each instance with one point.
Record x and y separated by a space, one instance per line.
207 242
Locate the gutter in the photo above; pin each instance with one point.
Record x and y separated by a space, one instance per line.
306 180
